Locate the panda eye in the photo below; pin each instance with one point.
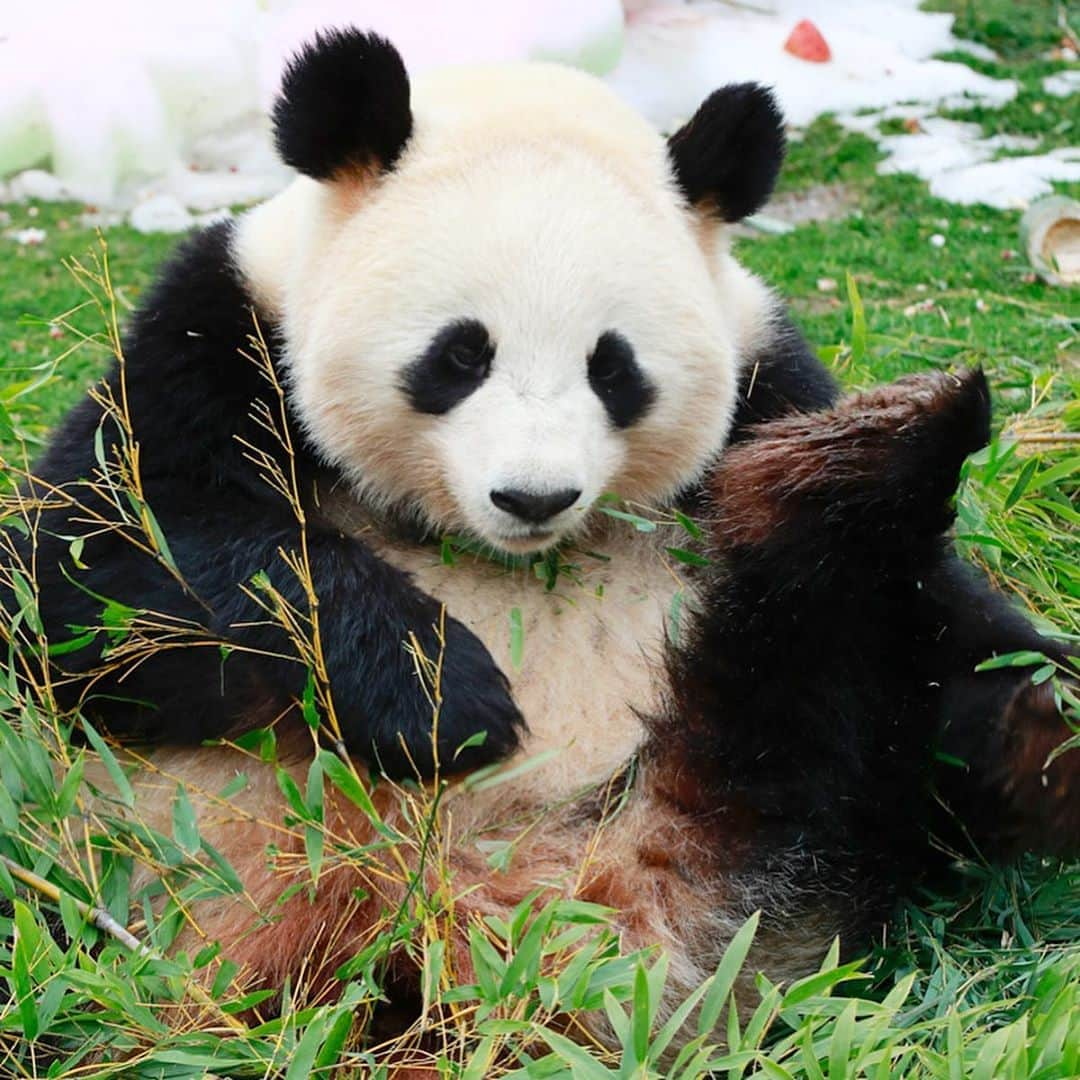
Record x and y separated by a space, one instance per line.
611 360
455 363
608 361
618 381
469 358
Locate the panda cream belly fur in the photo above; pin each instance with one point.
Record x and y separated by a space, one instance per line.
591 663
591 670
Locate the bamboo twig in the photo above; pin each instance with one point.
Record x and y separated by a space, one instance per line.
104 921
1045 437
98 916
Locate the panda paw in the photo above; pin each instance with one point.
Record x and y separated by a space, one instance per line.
477 721
477 707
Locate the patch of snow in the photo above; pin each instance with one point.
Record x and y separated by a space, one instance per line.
867 123
132 95
161 107
974 48
960 166
882 69
28 237
38 184
1005 141
1063 83
941 146
676 54
1009 183
161 213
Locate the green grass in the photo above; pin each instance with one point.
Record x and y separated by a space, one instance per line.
1023 35
979 981
36 288
1018 32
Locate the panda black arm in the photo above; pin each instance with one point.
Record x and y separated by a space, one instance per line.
190 394
366 611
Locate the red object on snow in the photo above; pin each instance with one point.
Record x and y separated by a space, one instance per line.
806 42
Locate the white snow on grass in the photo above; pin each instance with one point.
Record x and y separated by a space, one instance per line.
882 50
1063 83
159 108
963 167
158 102
882 67
1010 183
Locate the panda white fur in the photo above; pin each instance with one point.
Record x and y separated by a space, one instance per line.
492 299
552 202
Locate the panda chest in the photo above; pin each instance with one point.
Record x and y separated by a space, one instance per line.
581 644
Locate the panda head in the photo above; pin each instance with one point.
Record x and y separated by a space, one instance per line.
500 290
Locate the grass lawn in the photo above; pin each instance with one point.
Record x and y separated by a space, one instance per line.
983 982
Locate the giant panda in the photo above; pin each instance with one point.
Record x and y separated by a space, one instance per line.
491 302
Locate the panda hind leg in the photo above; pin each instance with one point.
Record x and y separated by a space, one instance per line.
811 688
1006 784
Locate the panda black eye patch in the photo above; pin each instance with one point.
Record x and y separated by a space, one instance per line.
618 381
455 363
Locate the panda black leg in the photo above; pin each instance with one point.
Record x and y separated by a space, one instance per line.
806 700
801 698
985 718
1001 780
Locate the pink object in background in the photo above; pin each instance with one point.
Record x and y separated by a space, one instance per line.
807 43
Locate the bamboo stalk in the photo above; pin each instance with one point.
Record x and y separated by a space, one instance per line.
104 921
98 916
1046 437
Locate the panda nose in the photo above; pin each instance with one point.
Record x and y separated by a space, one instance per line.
534 507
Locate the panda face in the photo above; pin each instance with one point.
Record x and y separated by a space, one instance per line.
534 494
544 447
491 347
501 292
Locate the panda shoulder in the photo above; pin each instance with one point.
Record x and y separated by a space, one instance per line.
198 306
187 374
778 369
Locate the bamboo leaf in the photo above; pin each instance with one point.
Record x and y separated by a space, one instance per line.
858 321
1021 485
691 526
640 1014
517 638
185 825
112 766
689 558
727 971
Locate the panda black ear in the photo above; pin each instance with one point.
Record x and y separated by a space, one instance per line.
343 104
727 157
